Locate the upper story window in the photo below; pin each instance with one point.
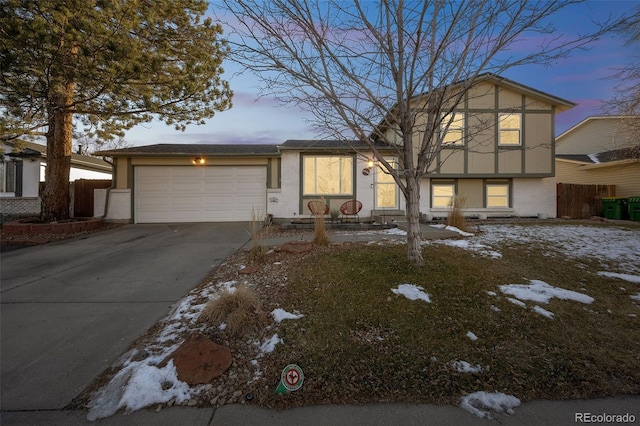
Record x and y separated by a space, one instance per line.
327 175
454 135
510 126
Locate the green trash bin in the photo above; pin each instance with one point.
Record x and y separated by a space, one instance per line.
615 207
634 208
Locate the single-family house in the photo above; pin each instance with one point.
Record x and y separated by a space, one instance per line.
22 166
498 154
601 150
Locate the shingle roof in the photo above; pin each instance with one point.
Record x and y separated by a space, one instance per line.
193 149
87 162
601 157
329 145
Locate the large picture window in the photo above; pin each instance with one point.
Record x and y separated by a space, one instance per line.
454 135
327 175
510 126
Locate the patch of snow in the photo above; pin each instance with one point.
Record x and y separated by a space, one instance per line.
394 231
439 226
594 158
482 403
280 314
541 292
465 367
481 249
269 345
495 308
516 302
543 311
138 386
610 245
626 277
492 293
412 292
472 336
459 231
636 297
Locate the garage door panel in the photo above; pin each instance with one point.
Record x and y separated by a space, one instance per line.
199 194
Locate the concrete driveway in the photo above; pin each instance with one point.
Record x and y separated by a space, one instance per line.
69 309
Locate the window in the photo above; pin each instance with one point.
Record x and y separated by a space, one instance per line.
455 134
7 176
497 194
510 125
386 195
442 194
324 175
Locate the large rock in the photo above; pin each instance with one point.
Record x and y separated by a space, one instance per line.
199 360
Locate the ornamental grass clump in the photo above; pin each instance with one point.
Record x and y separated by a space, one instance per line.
320 231
239 308
455 217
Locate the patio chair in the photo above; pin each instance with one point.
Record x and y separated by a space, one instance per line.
318 208
351 208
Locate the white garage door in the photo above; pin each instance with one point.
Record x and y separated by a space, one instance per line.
199 194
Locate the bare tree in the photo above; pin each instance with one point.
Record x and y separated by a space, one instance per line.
626 101
391 70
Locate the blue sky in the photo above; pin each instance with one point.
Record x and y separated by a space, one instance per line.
584 78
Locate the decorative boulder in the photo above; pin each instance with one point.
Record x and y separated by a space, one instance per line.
199 360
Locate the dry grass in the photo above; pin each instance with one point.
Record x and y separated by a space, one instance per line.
257 223
240 309
455 217
320 231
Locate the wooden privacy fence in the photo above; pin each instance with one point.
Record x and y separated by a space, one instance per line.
582 201
83 195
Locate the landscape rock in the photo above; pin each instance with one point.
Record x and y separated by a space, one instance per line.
199 360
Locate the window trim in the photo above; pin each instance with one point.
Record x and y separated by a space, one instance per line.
338 194
501 129
487 197
433 194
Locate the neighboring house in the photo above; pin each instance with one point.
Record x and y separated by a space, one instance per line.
598 151
22 169
499 156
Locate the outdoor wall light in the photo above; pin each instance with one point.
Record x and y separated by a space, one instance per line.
198 161
370 164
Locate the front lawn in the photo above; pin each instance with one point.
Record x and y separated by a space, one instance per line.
360 342
543 310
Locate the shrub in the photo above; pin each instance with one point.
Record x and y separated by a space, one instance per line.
320 231
240 308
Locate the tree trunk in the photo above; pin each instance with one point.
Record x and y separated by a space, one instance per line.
56 197
414 249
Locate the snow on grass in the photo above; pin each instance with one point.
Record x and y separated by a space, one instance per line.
459 231
482 403
472 336
481 249
412 292
516 302
626 277
465 367
269 345
394 231
280 314
140 383
541 292
617 245
636 297
543 312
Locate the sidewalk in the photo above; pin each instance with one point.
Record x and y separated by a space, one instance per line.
528 414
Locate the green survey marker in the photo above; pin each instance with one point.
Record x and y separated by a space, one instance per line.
290 380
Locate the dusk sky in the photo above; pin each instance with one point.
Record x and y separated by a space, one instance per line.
584 78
